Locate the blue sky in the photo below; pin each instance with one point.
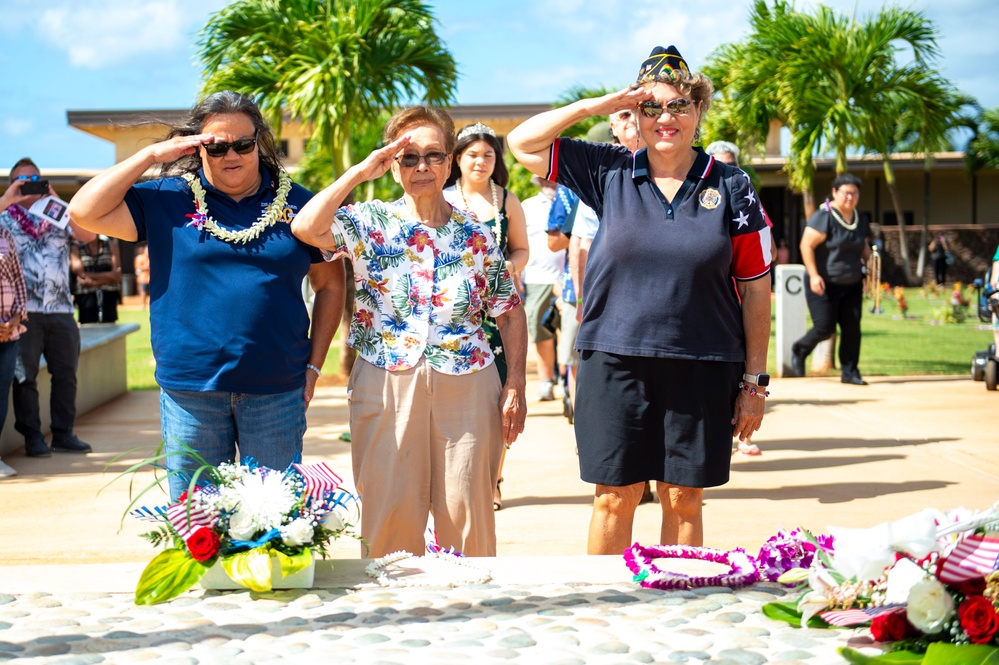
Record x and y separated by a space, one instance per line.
139 54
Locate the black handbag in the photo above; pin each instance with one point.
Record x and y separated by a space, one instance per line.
551 320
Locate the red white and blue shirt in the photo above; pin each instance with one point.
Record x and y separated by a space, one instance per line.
421 292
660 277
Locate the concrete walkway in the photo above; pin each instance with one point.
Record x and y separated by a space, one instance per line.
832 455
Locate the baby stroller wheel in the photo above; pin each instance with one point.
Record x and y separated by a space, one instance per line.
991 373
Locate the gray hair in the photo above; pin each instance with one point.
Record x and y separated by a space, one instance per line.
719 147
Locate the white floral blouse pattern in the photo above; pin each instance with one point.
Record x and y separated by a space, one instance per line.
421 292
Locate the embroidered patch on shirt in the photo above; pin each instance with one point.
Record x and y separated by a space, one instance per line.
710 198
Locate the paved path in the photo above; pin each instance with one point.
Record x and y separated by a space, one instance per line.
832 455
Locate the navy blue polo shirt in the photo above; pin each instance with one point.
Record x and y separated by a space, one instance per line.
659 277
224 316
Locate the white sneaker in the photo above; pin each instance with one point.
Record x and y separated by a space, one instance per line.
547 391
6 470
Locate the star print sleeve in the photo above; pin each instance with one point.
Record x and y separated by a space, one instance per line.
751 238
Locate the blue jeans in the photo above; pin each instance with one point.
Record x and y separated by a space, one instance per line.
8 359
268 428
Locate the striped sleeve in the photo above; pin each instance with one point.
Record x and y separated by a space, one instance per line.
752 246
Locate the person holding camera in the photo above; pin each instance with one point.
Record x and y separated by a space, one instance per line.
43 249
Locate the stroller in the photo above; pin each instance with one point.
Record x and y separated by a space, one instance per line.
984 364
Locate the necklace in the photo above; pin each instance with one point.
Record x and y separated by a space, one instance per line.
31 229
376 569
842 222
743 571
203 222
498 216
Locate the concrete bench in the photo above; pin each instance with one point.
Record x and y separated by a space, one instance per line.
102 375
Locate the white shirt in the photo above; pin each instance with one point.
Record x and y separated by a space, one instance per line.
544 266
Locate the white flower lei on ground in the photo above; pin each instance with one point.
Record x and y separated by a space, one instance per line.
203 222
376 569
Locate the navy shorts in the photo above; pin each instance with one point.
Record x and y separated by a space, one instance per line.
668 419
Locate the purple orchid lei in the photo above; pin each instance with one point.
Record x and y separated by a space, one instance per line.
640 561
788 550
20 215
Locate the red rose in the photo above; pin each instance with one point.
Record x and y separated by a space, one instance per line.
972 587
978 618
890 626
203 543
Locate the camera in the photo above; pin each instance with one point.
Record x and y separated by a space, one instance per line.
31 187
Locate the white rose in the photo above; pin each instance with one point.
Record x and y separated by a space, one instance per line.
241 526
299 532
929 606
333 521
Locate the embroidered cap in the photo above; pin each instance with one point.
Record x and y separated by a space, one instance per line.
666 60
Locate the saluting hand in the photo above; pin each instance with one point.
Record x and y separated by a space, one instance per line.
175 148
379 161
627 98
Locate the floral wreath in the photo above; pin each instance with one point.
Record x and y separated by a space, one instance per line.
641 562
203 222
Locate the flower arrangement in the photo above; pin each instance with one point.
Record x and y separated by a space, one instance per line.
928 585
247 518
899 294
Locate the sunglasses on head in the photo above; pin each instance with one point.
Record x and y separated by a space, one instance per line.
432 158
221 149
675 107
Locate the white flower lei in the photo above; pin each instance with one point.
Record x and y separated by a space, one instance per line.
203 222
376 569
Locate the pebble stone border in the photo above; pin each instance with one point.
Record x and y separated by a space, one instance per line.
554 624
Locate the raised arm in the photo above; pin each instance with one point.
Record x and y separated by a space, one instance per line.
100 206
313 223
531 141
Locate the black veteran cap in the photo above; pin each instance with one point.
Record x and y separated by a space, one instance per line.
666 60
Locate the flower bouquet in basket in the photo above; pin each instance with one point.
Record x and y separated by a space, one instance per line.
927 586
258 524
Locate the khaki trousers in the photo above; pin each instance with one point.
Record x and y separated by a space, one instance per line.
425 443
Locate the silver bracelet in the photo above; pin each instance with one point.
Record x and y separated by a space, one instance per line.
314 369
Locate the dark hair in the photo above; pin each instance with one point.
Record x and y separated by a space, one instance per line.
500 173
24 161
845 179
225 102
420 115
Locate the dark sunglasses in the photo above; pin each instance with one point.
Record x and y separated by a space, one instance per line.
675 107
32 178
432 158
242 147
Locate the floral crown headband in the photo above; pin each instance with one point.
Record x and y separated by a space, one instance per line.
662 60
477 128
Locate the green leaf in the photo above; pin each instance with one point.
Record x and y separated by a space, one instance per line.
794 576
169 574
251 569
942 653
788 613
294 563
894 657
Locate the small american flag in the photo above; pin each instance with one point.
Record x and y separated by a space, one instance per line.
187 524
855 616
975 556
319 478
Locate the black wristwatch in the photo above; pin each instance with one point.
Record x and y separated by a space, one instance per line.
761 380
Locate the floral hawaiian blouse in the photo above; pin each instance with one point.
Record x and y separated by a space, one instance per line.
421 292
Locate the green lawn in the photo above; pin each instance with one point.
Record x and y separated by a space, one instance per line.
918 344
892 346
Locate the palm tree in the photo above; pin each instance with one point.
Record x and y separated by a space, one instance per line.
335 65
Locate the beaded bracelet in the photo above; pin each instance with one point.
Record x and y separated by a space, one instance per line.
753 391
314 369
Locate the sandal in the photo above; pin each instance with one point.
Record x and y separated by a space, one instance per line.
498 497
749 448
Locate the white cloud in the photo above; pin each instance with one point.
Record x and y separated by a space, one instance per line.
17 126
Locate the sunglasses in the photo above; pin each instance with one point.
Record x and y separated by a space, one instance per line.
32 178
432 158
675 107
242 147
